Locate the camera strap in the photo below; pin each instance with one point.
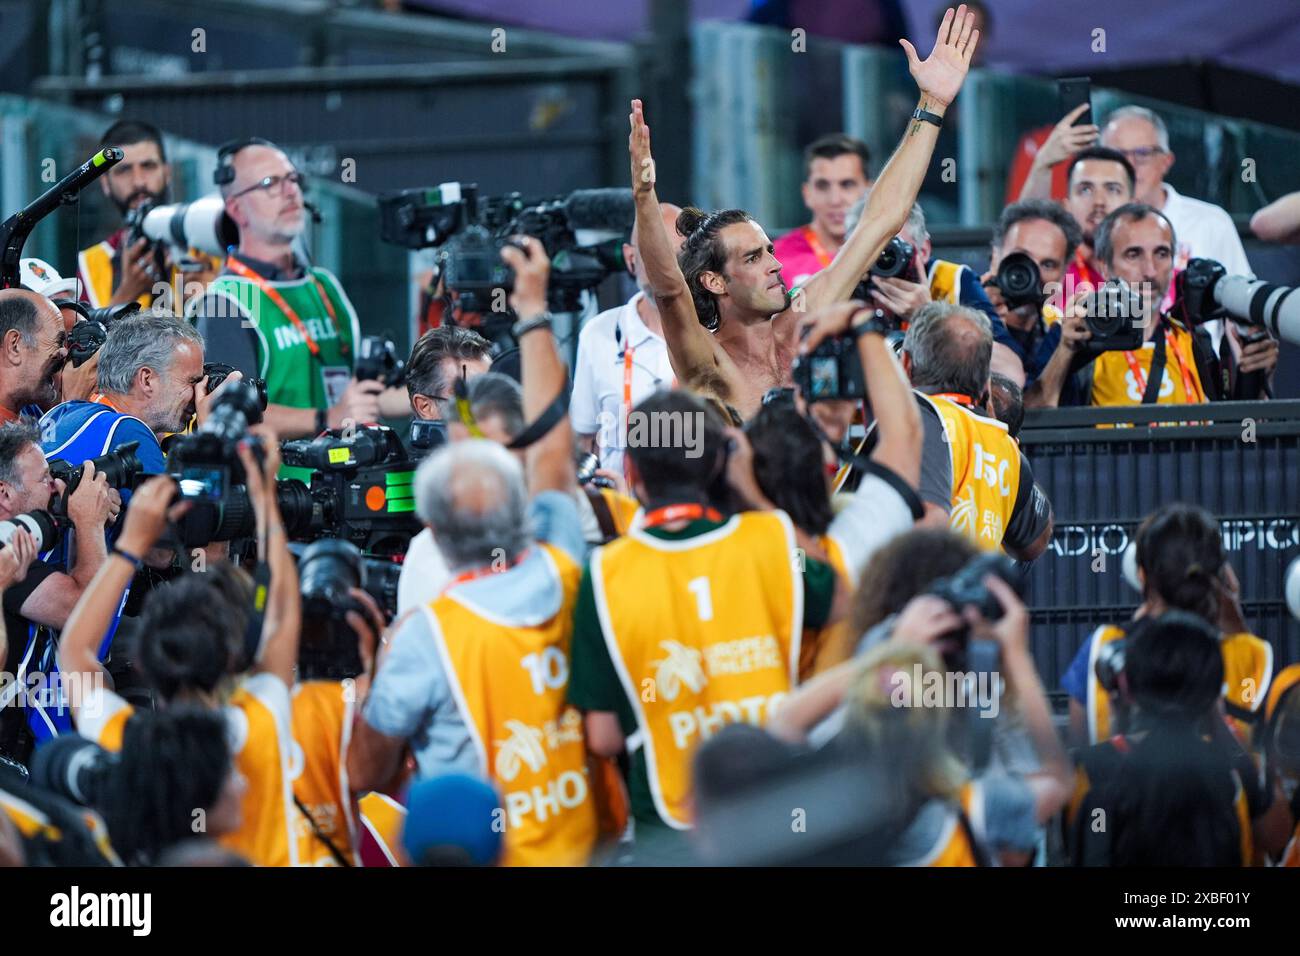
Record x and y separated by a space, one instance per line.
854 459
537 429
319 834
253 634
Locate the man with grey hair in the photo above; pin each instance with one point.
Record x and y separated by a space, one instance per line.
33 349
1204 230
151 383
973 474
475 680
924 280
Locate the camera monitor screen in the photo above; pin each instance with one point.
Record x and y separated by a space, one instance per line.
203 483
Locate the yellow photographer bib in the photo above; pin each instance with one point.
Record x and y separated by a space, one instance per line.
509 684
985 472
703 631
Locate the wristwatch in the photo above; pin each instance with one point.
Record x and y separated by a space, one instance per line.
524 326
927 117
322 420
872 323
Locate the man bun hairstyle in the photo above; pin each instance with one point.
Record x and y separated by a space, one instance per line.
704 251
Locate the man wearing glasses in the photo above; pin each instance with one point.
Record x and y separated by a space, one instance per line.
1204 230
273 316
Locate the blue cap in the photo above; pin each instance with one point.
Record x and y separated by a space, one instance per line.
453 810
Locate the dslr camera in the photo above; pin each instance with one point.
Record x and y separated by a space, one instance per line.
833 370
218 372
86 337
896 261
966 589
328 569
1020 281
378 361
204 463
1116 318
120 467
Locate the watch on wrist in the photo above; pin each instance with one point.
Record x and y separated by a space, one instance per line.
925 116
322 420
524 326
873 323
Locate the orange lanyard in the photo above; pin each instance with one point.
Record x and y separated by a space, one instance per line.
475 573
1140 378
239 269
815 245
955 397
671 513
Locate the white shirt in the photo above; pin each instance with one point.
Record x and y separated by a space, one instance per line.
596 406
424 573
1204 231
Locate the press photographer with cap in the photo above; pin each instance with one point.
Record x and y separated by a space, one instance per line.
273 315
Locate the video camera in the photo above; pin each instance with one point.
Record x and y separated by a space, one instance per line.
582 233
361 490
121 469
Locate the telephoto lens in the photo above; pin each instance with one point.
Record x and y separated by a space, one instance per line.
74 768
327 570
42 527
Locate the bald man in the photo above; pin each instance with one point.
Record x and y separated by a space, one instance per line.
33 349
274 316
629 338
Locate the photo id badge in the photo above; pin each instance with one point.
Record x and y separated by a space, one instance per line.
335 378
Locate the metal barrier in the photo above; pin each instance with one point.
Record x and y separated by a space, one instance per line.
1238 460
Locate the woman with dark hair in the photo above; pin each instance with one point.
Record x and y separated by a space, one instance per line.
1181 565
175 778
1178 790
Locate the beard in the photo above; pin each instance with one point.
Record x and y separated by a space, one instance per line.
151 199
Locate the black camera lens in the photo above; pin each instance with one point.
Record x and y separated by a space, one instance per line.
1019 281
895 259
74 768
328 570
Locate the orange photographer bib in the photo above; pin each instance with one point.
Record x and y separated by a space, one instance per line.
834 635
322 728
703 631
509 683
985 471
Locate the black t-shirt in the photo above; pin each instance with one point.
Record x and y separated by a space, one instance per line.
14 598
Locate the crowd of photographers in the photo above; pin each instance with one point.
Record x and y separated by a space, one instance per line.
745 588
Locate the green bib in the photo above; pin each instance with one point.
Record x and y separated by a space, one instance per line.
294 377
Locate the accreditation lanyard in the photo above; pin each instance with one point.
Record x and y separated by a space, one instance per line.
816 246
688 512
239 269
626 409
1139 377
476 573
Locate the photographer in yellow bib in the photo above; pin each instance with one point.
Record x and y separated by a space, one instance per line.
1174 364
475 680
1182 566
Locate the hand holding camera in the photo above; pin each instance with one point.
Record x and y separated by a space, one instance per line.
150 511
532 268
91 504
15 558
358 404
140 270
